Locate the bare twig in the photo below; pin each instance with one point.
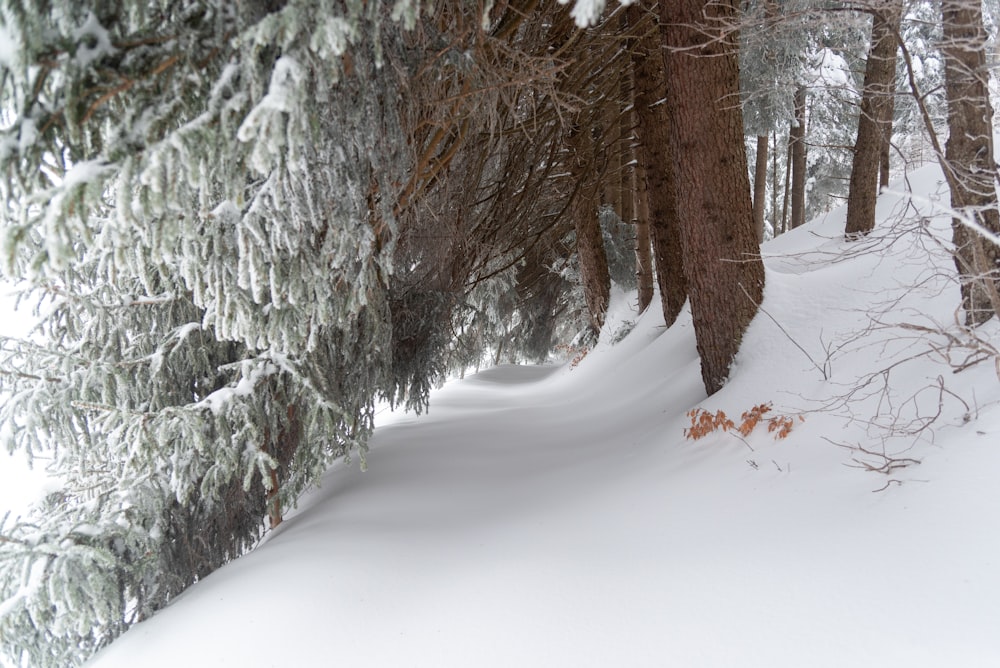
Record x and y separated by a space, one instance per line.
885 463
889 482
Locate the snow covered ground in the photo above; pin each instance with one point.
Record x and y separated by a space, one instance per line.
557 516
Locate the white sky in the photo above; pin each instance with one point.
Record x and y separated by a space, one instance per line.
19 485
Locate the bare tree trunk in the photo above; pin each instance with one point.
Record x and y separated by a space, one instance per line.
283 452
611 149
594 274
969 163
643 239
875 121
760 186
786 195
722 262
634 200
775 221
656 166
886 148
593 261
643 251
797 140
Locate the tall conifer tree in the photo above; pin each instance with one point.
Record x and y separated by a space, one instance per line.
725 275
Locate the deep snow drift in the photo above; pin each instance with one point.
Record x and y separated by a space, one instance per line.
557 516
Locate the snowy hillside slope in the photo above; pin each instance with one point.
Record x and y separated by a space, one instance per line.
557 516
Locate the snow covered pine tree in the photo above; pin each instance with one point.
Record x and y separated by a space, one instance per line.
203 199
199 232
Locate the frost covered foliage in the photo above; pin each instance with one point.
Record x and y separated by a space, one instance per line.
191 185
921 29
169 439
518 316
619 244
832 125
774 42
208 149
233 214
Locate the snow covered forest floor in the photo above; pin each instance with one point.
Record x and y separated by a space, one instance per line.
558 516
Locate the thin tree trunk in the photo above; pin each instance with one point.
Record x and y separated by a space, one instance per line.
282 449
787 193
970 167
775 217
722 262
594 274
643 251
634 199
593 261
875 122
797 138
775 222
656 166
885 153
611 149
760 186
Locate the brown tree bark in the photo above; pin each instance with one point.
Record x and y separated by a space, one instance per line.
634 202
611 178
643 241
875 121
594 274
886 146
593 261
760 186
643 238
724 271
775 220
797 146
283 451
656 166
969 164
786 195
